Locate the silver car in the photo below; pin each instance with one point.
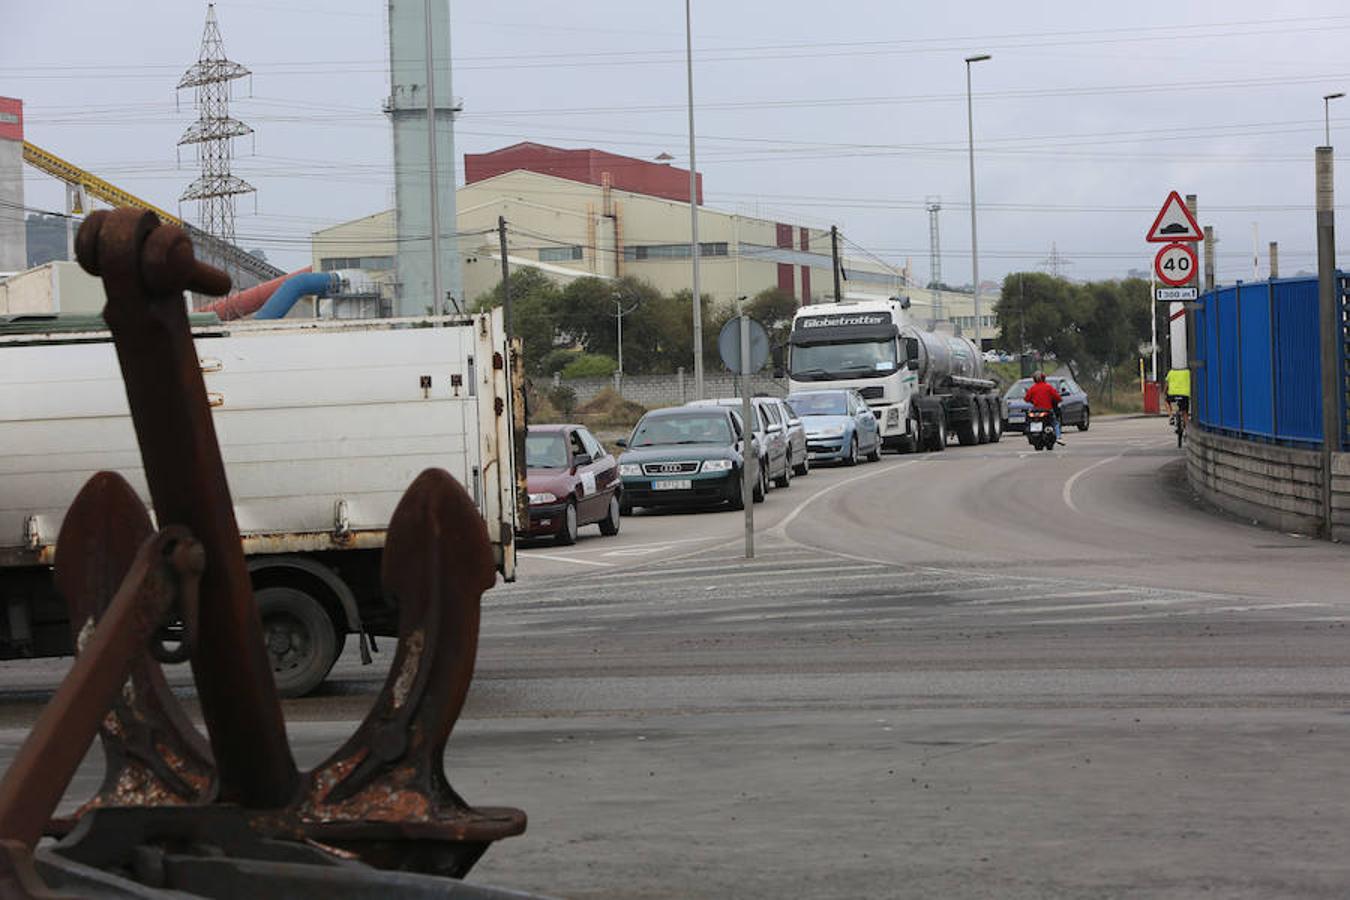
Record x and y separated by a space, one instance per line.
772 437
798 457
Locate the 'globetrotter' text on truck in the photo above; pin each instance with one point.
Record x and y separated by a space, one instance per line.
322 425
922 385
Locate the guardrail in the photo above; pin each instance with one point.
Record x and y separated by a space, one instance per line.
1258 361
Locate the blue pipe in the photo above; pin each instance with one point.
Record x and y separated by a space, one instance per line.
292 289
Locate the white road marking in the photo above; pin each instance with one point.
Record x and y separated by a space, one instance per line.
780 530
1068 485
570 559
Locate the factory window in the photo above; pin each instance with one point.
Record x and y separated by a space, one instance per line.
369 263
673 251
560 254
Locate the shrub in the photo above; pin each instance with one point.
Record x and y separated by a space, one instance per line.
563 399
590 365
608 409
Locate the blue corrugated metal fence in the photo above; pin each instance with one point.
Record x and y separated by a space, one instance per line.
1259 361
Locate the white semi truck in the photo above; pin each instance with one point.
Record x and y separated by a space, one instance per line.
922 385
322 425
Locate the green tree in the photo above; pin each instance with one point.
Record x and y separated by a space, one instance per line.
1039 312
1091 328
773 308
534 311
590 365
587 307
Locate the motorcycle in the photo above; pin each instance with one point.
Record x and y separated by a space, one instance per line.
1040 428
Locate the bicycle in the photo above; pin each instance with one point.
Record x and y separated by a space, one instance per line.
1181 418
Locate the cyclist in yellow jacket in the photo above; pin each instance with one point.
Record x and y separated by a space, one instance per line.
1179 392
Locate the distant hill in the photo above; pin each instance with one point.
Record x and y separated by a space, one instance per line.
46 238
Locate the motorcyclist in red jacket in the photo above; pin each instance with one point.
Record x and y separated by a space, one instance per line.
1042 395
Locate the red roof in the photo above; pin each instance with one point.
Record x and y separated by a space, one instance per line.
589 166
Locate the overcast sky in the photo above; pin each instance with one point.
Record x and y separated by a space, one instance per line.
846 112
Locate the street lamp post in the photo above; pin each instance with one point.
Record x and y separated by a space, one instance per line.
619 313
974 243
693 207
1326 109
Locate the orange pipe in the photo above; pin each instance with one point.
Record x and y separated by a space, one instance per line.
249 300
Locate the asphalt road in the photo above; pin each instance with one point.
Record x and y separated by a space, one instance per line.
983 672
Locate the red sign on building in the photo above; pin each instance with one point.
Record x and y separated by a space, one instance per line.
11 119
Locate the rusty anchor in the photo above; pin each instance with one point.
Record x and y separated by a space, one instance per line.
382 800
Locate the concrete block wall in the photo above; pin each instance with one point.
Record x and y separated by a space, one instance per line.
671 390
1277 486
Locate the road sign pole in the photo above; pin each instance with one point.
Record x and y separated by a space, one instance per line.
749 471
1329 330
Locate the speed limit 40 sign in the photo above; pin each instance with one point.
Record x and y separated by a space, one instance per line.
1175 264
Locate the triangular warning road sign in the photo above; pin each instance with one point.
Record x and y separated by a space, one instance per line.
1174 223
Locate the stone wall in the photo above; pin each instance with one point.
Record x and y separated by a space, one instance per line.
670 390
1277 486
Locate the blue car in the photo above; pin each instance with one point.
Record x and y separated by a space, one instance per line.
839 426
1074 409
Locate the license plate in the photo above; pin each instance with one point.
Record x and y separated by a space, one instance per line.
674 484
1036 426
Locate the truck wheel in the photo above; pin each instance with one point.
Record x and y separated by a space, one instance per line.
967 431
913 426
609 525
567 535
302 642
996 421
982 423
939 442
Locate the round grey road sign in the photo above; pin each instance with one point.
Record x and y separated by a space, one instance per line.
729 344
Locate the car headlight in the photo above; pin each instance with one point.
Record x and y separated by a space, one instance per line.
543 497
717 465
832 431
629 470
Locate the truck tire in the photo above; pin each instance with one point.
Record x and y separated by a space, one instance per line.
938 442
914 426
981 422
996 421
302 641
967 432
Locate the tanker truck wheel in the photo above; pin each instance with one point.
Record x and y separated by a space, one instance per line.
967 432
981 422
302 642
996 422
938 443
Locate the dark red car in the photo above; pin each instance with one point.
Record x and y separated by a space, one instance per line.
573 481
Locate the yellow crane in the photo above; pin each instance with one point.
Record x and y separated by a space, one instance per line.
216 250
94 186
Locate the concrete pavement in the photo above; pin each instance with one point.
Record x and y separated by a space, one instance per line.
985 672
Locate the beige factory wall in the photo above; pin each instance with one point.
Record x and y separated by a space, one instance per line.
54 287
544 211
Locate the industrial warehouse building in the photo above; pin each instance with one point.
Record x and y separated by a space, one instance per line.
577 213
